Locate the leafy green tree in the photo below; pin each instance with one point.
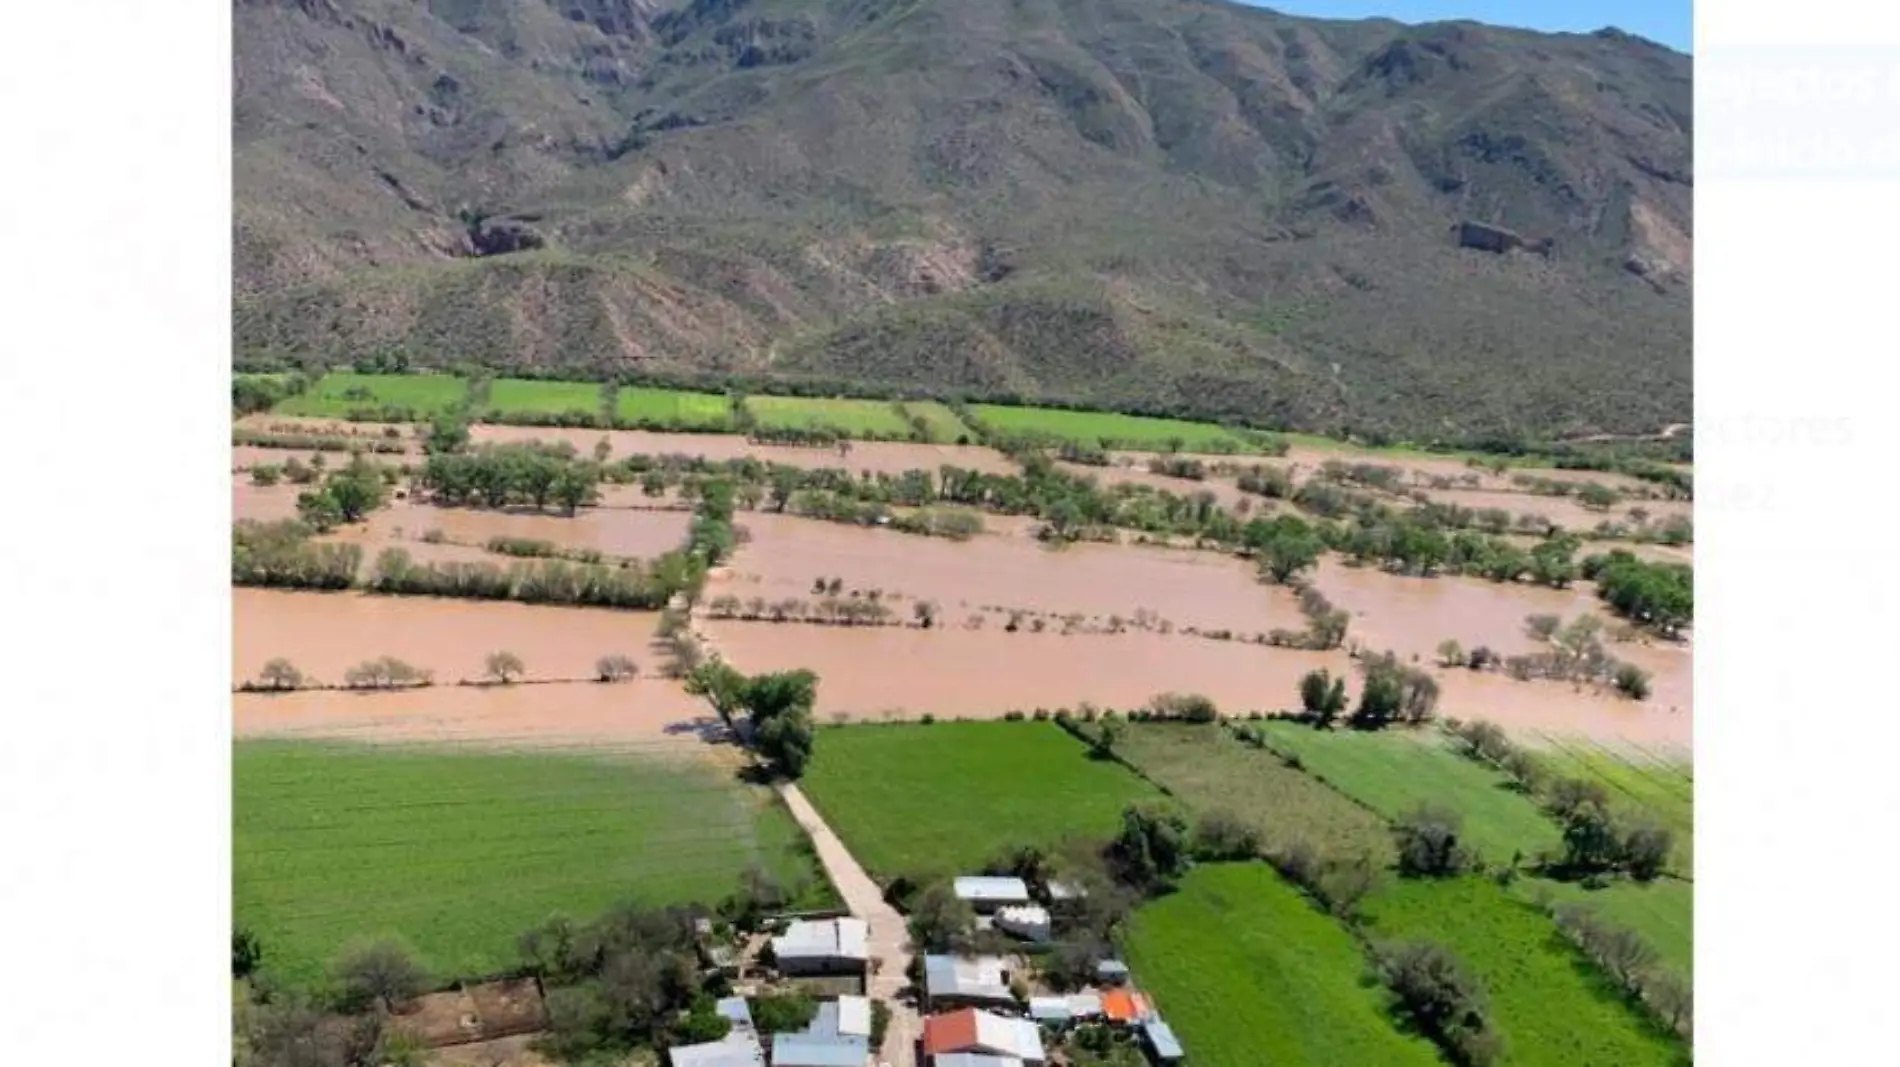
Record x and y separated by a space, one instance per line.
318 509
448 433
1632 681
1591 841
1646 851
940 921
1430 842
280 674
1153 848
1288 548
246 952
1322 697
719 683
380 973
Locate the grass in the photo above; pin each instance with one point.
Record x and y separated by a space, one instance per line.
459 852
516 396
673 408
339 394
1640 784
1095 427
1663 912
855 417
1553 1007
1248 972
1207 769
915 798
1394 772
945 427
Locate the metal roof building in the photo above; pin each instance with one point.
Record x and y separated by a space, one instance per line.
818 1050
981 979
974 1059
990 891
1111 971
1051 1009
1027 922
736 1009
984 1032
847 1016
1159 1037
834 944
737 1049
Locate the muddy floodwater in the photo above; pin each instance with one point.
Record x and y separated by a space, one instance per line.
870 673
325 634
1202 589
890 457
265 503
1562 510
614 531
653 713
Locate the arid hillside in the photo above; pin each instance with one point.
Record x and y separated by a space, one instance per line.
1447 232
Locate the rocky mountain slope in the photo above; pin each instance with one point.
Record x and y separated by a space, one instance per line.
1444 231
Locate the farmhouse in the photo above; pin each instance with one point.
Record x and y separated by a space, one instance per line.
982 1032
952 981
834 946
1159 1039
986 894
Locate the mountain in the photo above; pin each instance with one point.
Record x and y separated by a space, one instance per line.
1441 231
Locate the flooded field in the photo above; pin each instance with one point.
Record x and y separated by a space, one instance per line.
652 712
1225 491
325 634
867 673
263 503
615 531
1201 589
1412 615
1562 510
884 456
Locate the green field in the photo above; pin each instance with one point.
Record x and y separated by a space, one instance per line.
458 852
1553 1008
1207 769
1663 912
515 396
1393 772
915 798
1248 972
339 394
945 427
672 408
1640 784
857 417
1097 427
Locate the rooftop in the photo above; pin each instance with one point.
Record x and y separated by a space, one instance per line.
1123 1006
991 889
845 1016
978 976
1066 891
737 1049
736 1009
1161 1038
831 939
975 1059
971 1030
818 1050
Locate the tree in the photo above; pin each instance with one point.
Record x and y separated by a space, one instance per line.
940 921
1437 995
1542 627
702 1023
1222 835
357 489
926 613
382 973
246 952
448 433
1380 700
1430 843
318 509
1107 733
1288 547
504 666
1674 1001
1152 848
1632 681
279 675
1322 697
1646 851
787 741
1451 653
615 668
720 684
1591 842
1569 794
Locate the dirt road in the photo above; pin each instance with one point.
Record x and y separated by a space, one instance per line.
889 939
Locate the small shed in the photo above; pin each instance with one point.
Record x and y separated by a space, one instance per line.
974 1059
986 893
1085 1005
1112 972
1054 1012
736 1049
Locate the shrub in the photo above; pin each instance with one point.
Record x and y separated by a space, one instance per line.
1632 681
1430 843
382 973
1222 835
615 668
279 675
1191 707
1437 995
504 667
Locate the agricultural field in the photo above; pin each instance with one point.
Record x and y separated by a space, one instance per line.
1208 770
945 427
1108 429
933 798
340 394
1663 912
1641 784
1394 772
1248 972
852 417
457 852
1552 1007
515 397
672 408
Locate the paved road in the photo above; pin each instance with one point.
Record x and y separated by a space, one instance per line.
889 940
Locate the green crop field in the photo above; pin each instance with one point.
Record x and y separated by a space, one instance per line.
915 798
1247 972
340 394
1641 784
945 427
672 408
1394 772
515 396
1663 912
1207 769
458 852
1093 427
811 413
1553 1008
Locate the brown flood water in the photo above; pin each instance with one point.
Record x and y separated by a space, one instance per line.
1201 589
614 531
1225 491
263 503
890 457
652 712
325 634
867 673
1564 511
